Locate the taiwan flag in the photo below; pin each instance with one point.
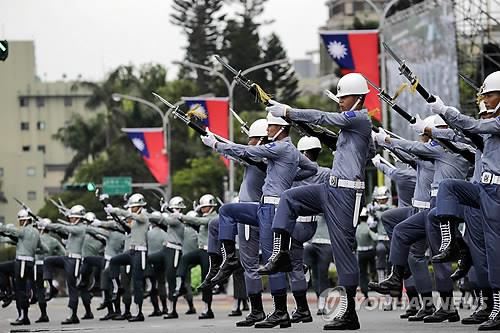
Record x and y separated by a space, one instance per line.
150 143
357 51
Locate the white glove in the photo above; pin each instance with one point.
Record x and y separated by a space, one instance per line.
277 109
438 106
42 224
374 134
96 224
419 125
371 222
176 215
380 136
103 197
109 209
209 139
376 160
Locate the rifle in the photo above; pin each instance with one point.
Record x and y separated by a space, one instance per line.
326 136
103 200
187 120
60 207
469 82
244 126
25 207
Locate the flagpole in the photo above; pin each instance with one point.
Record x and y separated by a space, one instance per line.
230 89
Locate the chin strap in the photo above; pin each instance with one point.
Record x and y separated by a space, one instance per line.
277 134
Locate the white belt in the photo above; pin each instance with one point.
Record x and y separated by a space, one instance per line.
204 247
353 184
382 237
74 256
25 258
365 248
139 248
270 200
420 204
39 262
434 192
321 241
174 246
307 218
489 178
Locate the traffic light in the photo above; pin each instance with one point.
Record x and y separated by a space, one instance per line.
4 50
80 187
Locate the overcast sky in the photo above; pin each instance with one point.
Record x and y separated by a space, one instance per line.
91 37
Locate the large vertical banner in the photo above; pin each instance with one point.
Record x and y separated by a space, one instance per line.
424 36
356 51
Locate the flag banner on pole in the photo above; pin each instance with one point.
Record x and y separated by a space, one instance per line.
150 143
216 110
357 51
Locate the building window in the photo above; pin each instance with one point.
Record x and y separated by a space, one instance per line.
41 148
1 172
31 195
40 125
23 102
31 171
40 102
68 101
27 148
25 126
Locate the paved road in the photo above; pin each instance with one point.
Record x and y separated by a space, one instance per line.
371 321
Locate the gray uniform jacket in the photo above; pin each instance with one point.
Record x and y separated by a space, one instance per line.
28 239
139 226
202 222
76 235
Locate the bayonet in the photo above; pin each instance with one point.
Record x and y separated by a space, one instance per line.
244 126
25 207
331 96
469 82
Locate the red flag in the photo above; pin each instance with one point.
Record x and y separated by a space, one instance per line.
357 51
150 143
217 111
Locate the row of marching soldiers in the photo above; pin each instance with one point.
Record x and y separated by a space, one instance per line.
286 199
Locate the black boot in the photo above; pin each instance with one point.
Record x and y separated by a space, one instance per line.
139 316
103 306
256 314
393 285
483 310
447 310
449 249
209 314
23 320
464 262
156 307
230 262
43 313
191 309
214 261
88 312
163 300
414 303
493 322
245 306
72 319
426 309
110 315
126 315
280 259
346 318
302 313
279 316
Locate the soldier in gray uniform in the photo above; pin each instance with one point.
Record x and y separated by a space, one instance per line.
366 240
207 208
189 245
114 235
340 199
27 241
155 272
171 249
248 235
92 264
284 164
136 255
124 289
71 262
484 195
54 248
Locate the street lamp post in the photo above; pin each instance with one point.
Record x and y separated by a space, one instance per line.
230 89
165 125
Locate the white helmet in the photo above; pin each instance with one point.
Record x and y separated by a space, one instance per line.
380 193
207 200
45 221
308 142
176 203
491 83
136 200
258 128
23 214
272 120
434 121
352 84
89 217
77 211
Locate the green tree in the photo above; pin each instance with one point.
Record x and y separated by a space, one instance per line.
281 79
200 21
